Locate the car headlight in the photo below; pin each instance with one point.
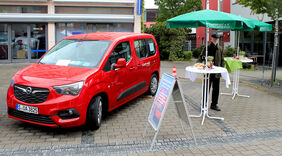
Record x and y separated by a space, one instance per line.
12 83
70 89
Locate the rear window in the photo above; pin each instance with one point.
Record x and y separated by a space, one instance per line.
144 48
77 53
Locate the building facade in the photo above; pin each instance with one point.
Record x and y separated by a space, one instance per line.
150 16
255 43
220 5
28 28
252 42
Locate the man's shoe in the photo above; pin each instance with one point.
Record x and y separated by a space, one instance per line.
215 108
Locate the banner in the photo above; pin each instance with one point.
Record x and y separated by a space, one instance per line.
161 99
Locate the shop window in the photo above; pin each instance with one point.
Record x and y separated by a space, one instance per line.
68 29
103 28
99 11
38 40
125 11
123 27
71 10
23 9
94 10
60 31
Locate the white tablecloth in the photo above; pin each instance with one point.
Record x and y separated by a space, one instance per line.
191 73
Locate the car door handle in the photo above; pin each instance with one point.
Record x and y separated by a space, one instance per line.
132 68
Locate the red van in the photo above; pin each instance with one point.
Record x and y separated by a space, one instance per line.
83 77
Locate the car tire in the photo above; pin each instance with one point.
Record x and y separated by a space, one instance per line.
94 113
153 86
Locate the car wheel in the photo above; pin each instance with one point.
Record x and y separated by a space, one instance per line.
153 86
94 113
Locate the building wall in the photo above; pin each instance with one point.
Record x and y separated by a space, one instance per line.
200 32
114 21
150 17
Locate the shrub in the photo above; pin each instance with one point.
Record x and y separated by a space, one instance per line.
247 66
229 51
197 51
187 55
170 41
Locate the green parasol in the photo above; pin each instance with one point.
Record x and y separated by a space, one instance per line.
210 19
258 25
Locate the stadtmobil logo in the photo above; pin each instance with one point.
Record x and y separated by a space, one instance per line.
223 25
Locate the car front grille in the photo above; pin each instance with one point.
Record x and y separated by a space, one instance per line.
30 117
30 94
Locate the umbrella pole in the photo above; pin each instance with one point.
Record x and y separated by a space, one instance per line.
264 52
238 43
207 42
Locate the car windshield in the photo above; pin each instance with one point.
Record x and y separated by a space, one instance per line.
77 53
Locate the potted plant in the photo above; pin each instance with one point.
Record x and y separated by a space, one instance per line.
241 54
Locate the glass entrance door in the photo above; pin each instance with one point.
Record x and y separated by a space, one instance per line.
22 42
3 42
19 45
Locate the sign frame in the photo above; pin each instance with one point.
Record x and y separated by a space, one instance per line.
174 85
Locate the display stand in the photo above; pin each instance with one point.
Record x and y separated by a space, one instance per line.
169 87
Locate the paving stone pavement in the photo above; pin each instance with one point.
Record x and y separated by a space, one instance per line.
251 126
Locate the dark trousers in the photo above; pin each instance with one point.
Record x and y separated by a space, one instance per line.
215 82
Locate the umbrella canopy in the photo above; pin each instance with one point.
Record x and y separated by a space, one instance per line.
211 19
261 26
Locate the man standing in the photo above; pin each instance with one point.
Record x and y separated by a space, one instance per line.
216 52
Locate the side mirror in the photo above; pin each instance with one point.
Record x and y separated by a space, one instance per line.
121 62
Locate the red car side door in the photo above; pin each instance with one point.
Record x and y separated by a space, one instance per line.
120 79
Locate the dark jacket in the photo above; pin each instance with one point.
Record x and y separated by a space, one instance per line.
218 59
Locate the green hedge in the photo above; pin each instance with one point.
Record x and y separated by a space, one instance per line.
229 51
246 65
197 51
187 55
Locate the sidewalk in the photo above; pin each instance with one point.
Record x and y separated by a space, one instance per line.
251 126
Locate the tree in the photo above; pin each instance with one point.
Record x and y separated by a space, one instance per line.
170 41
273 8
142 19
171 8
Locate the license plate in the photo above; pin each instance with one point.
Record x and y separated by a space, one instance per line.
27 109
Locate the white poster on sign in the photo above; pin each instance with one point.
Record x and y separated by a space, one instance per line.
161 99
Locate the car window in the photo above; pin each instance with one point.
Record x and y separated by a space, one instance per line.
77 53
140 48
151 47
122 50
144 48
